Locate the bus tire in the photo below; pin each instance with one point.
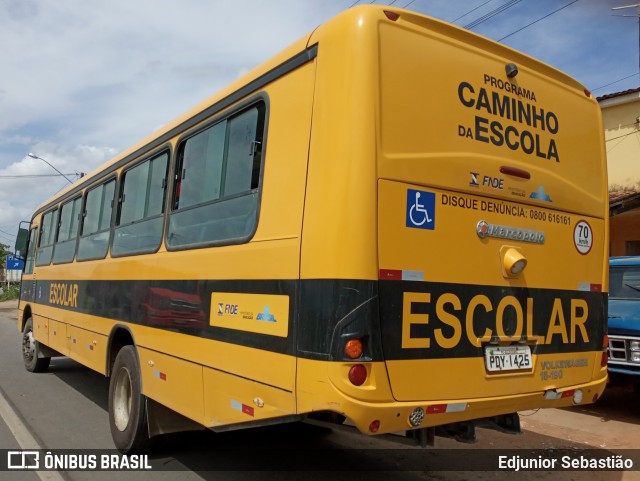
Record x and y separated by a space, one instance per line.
127 404
31 353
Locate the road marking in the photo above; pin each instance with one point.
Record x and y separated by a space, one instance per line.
23 436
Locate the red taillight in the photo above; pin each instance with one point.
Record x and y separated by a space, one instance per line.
605 355
374 426
358 375
391 15
353 348
568 393
587 93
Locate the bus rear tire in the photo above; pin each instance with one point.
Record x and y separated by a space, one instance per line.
127 404
31 353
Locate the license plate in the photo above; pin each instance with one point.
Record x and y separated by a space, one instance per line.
507 358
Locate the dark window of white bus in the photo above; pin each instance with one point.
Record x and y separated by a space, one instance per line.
215 199
31 251
65 248
94 240
47 236
140 223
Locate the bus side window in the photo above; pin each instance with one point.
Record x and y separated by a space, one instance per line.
140 221
94 238
216 199
31 251
47 236
65 247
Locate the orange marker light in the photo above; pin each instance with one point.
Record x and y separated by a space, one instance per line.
353 348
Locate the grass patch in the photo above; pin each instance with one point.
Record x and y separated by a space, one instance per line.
10 293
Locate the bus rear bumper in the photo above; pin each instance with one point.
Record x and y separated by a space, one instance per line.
385 415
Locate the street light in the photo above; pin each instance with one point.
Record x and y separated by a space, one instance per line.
34 156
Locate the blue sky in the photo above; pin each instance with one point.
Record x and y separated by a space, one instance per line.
83 80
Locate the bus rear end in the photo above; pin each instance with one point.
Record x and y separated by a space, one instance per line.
492 226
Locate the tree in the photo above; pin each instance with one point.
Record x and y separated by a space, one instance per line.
4 252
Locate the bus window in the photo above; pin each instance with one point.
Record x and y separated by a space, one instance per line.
31 250
65 248
216 200
94 240
47 235
202 159
139 227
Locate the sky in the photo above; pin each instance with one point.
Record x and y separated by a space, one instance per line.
82 80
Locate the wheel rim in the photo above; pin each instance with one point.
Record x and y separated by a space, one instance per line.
122 399
28 346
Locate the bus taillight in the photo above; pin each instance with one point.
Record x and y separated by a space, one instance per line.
353 348
358 375
605 354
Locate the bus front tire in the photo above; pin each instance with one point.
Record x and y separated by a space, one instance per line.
31 354
127 404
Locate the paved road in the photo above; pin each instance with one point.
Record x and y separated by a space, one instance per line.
66 408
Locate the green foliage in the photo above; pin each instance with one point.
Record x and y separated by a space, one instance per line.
10 293
4 251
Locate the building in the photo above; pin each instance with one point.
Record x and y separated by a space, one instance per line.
621 118
624 223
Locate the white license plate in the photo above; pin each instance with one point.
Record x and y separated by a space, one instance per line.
507 358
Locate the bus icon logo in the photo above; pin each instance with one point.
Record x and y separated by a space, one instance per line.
23 460
421 209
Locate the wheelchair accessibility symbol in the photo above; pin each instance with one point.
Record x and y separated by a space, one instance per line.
421 209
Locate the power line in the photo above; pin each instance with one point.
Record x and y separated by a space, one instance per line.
619 80
7 235
492 13
23 176
620 136
471 11
536 21
11 239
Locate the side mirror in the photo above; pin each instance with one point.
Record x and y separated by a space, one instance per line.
21 242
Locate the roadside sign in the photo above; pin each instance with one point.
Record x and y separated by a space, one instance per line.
13 263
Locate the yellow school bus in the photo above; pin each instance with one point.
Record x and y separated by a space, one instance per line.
394 221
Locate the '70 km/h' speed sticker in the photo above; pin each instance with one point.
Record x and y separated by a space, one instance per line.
583 237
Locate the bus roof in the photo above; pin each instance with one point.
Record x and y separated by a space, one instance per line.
352 18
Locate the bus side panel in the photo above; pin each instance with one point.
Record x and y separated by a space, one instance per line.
232 400
173 382
88 348
339 235
58 337
41 329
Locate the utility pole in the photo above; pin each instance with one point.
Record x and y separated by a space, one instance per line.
637 16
